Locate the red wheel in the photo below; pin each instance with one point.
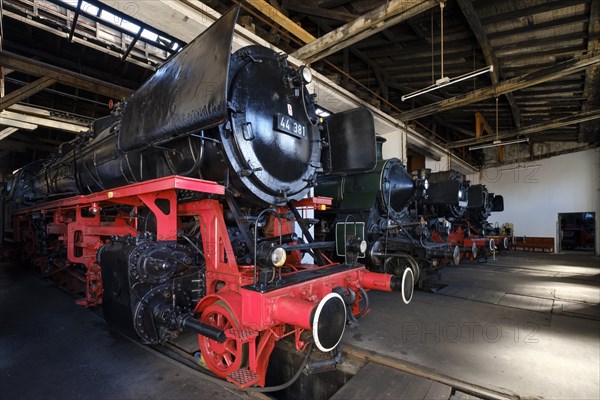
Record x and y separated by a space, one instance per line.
221 358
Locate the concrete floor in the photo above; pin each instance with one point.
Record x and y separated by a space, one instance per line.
528 323
52 349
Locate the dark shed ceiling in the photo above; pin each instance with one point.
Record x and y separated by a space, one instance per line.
523 39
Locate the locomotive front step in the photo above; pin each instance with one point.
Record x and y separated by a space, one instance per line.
243 378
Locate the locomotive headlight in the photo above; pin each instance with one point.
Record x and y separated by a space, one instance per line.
306 74
363 247
426 184
460 194
278 257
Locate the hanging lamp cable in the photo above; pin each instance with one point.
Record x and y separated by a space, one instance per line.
1 46
432 53
442 4
496 120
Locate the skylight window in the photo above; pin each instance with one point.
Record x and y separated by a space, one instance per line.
149 35
89 8
128 26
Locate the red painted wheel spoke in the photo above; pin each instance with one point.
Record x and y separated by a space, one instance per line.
230 347
221 358
228 359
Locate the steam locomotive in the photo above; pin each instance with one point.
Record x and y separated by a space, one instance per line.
412 224
477 224
467 225
381 206
177 212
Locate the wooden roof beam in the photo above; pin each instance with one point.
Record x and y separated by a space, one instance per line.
361 28
66 77
544 126
591 88
12 118
281 19
454 127
24 92
481 125
319 12
531 79
6 132
333 3
470 14
380 75
559 22
17 124
527 10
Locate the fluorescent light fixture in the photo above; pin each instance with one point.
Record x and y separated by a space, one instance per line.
445 81
497 143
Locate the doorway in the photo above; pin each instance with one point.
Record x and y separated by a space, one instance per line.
577 231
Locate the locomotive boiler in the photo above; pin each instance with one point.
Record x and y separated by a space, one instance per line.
177 212
385 206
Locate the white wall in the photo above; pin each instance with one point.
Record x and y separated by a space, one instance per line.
535 192
395 145
446 163
437 166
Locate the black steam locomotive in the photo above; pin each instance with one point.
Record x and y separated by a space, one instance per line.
177 212
385 206
413 224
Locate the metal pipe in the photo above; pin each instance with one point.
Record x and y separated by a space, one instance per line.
294 312
378 281
308 246
203 329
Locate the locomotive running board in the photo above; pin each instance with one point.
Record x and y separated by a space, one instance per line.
302 276
130 191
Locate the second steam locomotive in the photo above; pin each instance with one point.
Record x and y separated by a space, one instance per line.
413 224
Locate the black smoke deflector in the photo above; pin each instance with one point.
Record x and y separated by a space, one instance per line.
476 196
187 93
498 203
352 145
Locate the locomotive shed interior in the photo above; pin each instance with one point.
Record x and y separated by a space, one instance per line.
506 301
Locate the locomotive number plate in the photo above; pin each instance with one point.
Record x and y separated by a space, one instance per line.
289 125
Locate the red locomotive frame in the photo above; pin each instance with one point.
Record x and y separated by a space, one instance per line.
253 320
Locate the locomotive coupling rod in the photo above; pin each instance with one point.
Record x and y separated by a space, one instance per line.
203 329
